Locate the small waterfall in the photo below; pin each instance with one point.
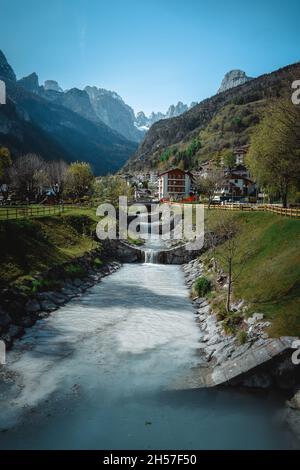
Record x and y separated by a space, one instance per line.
151 256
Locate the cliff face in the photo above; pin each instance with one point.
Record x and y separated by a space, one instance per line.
6 70
232 79
232 114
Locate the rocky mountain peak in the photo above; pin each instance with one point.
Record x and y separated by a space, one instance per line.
232 79
31 82
176 110
6 71
52 85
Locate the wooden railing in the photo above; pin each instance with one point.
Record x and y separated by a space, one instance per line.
24 212
287 212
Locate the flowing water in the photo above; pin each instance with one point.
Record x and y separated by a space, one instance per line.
97 374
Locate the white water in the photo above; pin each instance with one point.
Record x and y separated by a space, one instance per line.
96 373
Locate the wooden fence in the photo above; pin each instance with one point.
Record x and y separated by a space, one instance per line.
287 212
24 212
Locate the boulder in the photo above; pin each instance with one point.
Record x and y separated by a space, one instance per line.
294 402
15 331
32 306
27 321
48 306
204 310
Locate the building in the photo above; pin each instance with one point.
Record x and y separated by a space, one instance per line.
236 188
240 154
174 184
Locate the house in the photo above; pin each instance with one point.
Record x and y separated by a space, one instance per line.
240 154
174 183
142 194
236 188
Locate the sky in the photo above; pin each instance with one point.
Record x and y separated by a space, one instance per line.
153 53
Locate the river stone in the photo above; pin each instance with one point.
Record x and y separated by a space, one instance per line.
69 291
57 298
294 402
204 310
77 282
27 321
255 318
32 306
240 350
48 306
214 340
15 331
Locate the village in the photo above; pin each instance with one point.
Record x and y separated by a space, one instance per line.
230 184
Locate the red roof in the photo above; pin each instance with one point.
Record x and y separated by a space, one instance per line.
177 169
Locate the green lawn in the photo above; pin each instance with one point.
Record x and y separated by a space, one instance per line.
270 280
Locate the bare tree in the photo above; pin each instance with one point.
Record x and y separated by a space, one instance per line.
231 252
5 164
210 184
57 173
28 176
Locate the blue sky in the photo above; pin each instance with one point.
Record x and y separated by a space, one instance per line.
153 53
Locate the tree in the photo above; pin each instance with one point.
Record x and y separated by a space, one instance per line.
228 159
109 188
57 175
28 176
79 180
231 252
5 164
274 155
210 184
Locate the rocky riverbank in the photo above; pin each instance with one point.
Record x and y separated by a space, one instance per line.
21 306
257 362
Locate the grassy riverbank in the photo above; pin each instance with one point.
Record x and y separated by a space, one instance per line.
29 246
270 279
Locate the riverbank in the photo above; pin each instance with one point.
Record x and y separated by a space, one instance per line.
252 360
47 262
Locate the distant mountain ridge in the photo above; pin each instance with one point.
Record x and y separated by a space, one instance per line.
57 125
145 122
225 120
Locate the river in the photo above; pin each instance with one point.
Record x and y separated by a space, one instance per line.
98 374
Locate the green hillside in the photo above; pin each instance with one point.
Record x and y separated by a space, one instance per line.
270 279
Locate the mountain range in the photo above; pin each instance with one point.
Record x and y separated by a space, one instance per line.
224 121
144 122
57 125
92 124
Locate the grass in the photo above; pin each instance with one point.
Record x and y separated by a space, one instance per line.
29 246
270 280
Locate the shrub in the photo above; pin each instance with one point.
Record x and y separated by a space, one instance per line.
97 263
231 322
38 285
242 337
74 270
202 286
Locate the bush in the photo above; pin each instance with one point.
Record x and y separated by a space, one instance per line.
242 337
74 270
202 286
231 322
38 285
97 263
